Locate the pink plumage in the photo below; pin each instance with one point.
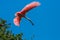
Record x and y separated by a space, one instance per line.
22 13
17 21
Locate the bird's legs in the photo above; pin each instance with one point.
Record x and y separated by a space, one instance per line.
27 19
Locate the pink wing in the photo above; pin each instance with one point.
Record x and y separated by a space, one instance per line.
29 7
17 21
23 12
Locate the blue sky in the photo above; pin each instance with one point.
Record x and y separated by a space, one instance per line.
45 17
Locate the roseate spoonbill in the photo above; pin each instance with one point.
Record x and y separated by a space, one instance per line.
22 13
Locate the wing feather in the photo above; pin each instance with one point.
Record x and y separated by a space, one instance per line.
29 7
17 21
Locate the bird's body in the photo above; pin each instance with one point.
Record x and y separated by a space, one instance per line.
22 13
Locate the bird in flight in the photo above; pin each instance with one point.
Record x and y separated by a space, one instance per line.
23 12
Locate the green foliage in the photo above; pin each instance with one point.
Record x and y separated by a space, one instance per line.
7 35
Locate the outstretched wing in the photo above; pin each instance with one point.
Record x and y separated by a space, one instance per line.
29 7
17 21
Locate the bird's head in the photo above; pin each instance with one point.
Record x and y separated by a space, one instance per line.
19 14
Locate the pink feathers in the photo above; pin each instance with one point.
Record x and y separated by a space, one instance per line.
17 21
22 13
29 7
